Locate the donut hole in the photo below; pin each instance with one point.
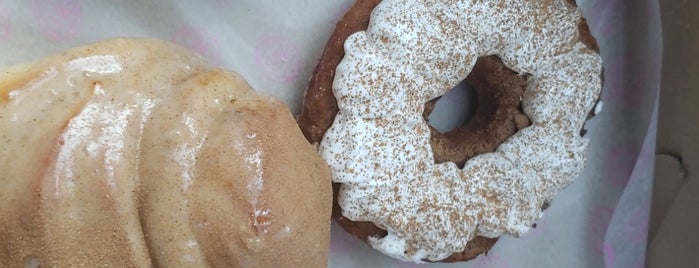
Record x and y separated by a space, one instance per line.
454 109
479 114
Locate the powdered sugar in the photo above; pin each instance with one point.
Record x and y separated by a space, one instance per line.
378 146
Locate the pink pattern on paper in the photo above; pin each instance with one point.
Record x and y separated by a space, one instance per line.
58 20
635 227
619 162
618 165
278 58
411 265
621 90
198 40
491 261
342 11
5 24
646 159
598 226
601 20
342 242
223 2
608 252
633 230
537 233
610 259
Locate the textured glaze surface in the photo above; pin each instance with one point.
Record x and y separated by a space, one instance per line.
414 51
135 153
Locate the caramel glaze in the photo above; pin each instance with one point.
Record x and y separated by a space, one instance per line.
136 153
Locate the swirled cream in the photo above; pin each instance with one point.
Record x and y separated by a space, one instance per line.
378 146
136 153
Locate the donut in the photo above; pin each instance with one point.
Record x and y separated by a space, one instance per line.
419 195
137 153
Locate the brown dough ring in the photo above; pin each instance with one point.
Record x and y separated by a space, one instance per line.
498 115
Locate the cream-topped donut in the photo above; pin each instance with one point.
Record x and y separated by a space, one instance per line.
414 51
137 153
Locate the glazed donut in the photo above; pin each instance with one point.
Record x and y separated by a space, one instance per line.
497 117
137 153
405 195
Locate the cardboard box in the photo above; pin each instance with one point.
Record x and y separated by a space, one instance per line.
674 234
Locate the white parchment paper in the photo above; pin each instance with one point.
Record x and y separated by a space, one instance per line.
599 221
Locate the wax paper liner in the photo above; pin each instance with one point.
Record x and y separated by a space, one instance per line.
599 221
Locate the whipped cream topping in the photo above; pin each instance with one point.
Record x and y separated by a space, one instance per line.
137 153
378 146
